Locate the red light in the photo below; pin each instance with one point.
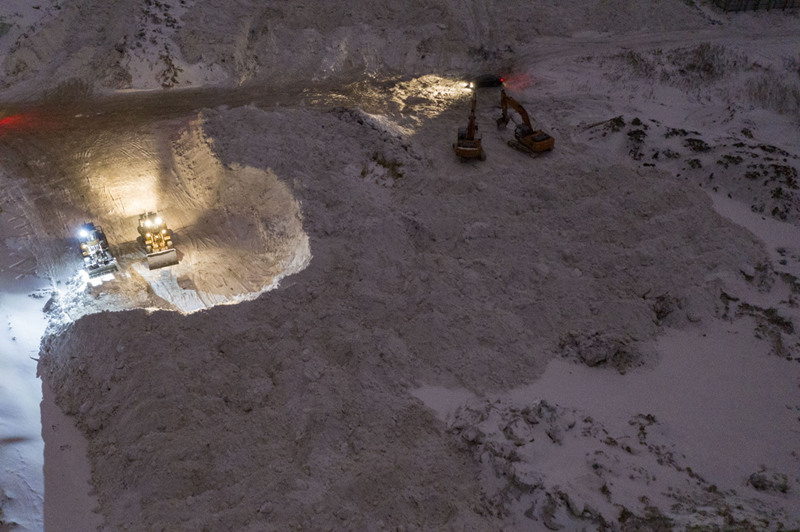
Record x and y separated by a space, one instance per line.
13 121
20 122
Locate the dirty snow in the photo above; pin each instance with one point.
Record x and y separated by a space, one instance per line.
363 332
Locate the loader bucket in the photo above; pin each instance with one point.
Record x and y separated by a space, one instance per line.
102 269
162 259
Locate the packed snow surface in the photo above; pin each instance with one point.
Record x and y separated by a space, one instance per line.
362 331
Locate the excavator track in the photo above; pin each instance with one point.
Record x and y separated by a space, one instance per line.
517 145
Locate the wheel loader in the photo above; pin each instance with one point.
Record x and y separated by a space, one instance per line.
97 258
468 144
157 240
527 140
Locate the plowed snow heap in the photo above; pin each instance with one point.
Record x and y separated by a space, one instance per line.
97 258
157 241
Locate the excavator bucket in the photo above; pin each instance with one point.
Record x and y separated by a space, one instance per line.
161 259
100 269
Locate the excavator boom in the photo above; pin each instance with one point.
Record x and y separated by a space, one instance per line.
507 101
471 127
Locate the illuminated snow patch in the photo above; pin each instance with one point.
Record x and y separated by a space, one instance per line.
237 230
431 95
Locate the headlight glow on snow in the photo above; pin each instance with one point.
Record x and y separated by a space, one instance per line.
439 91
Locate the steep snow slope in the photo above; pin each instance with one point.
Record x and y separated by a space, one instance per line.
481 283
150 44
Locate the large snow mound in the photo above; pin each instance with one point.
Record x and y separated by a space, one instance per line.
424 270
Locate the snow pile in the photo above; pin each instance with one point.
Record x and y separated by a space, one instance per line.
412 280
706 71
541 463
261 428
757 173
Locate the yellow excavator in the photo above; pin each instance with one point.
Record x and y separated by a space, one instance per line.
527 140
468 144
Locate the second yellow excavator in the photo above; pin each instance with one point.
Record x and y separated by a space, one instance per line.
527 140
